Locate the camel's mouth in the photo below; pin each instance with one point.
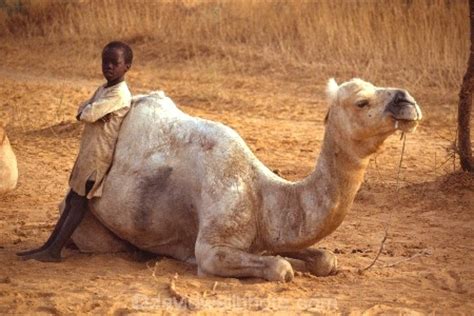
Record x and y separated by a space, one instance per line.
406 115
406 126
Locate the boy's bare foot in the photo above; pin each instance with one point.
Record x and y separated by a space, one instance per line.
29 252
43 256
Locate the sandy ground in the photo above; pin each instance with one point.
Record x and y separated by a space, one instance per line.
426 265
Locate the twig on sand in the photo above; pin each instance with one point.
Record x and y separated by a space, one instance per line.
360 271
180 298
153 271
382 243
214 287
419 254
172 289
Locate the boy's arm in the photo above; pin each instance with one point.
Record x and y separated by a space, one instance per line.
81 108
84 104
105 105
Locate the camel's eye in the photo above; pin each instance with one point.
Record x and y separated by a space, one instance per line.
362 103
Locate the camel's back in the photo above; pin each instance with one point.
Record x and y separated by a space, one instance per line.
156 133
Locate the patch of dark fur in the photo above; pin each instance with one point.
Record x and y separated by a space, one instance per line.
151 185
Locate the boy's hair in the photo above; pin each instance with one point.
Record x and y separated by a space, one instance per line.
127 51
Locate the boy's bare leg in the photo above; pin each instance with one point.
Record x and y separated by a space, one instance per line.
74 216
57 227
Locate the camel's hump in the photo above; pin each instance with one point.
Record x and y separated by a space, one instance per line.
157 94
153 101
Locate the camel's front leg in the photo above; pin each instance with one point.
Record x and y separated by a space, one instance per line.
230 262
227 230
316 261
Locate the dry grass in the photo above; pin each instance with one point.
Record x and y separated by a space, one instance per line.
421 42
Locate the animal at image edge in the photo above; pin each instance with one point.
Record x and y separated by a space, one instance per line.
191 189
8 164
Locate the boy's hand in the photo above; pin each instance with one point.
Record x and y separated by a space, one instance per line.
106 118
82 107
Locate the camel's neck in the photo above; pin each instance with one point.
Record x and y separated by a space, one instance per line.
302 213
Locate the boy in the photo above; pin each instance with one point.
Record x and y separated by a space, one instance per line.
103 114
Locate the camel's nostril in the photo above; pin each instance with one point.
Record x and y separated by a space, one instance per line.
400 97
402 106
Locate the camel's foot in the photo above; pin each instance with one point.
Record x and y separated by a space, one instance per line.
279 269
229 262
322 263
43 256
315 261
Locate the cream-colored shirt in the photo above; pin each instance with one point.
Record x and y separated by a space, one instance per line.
103 115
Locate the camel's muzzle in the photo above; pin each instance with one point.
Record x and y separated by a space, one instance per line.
404 110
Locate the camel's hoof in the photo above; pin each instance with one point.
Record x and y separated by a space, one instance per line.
279 270
324 264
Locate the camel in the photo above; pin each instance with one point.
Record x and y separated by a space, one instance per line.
8 164
191 189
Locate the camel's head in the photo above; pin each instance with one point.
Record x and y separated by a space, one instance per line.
364 115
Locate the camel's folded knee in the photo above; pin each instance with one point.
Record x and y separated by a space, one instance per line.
228 262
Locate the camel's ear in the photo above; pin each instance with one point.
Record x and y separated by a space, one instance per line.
331 90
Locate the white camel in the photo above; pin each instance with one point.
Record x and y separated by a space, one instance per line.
8 164
191 189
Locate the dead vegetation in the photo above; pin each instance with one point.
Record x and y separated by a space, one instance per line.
413 43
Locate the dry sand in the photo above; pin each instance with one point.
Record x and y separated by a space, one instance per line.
281 117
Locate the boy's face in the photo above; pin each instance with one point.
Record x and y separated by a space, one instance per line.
114 66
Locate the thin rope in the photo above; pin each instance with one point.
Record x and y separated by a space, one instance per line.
389 221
